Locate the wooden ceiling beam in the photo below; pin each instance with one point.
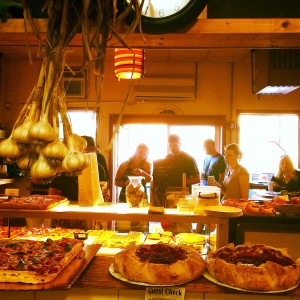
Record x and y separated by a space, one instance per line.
203 34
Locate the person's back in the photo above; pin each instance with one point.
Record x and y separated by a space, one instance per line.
214 163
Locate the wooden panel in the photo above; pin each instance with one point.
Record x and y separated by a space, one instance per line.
205 33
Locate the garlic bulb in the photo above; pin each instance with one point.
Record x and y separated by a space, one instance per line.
79 142
9 148
75 161
20 134
25 162
56 149
42 131
41 169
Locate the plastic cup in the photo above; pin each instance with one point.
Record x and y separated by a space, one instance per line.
271 186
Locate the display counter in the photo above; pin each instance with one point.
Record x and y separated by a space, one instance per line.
97 283
121 212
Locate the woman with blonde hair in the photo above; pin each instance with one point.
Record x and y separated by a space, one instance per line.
236 182
287 177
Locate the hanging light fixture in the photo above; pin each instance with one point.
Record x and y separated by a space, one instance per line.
129 63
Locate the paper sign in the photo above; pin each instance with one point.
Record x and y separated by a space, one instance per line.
165 292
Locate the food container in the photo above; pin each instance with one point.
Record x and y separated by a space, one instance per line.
135 192
205 196
186 204
173 194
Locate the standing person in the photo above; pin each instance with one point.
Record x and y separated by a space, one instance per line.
287 177
180 162
68 186
214 163
102 166
136 165
236 182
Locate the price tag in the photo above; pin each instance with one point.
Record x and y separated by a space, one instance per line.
165 292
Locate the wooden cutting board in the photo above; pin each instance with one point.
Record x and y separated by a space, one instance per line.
64 280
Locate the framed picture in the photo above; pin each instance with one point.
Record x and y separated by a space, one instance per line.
75 83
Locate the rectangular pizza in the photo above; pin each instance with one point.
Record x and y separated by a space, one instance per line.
36 262
34 202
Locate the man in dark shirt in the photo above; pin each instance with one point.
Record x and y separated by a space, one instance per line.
214 163
176 164
180 163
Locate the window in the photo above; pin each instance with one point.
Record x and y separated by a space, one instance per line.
154 132
264 138
77 119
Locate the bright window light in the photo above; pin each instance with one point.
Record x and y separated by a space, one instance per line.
264 138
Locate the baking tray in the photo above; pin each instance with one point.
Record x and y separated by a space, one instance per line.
64 280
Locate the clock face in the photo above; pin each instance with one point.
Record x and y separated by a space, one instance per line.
164 16
162 8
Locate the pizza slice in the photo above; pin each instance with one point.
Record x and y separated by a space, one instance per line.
36 262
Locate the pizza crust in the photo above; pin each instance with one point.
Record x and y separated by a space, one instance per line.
130 266
51 269
268 276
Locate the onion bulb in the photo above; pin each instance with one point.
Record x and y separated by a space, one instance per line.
41 168
42 131
75 161
25 162
9 148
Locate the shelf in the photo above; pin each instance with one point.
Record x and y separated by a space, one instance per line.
121 212
6 180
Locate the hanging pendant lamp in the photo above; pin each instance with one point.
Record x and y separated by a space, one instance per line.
129 63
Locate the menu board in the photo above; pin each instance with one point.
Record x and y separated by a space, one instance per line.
165 174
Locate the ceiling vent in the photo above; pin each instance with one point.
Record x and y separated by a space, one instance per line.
164 89
275 71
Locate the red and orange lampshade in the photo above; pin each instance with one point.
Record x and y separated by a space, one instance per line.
129 63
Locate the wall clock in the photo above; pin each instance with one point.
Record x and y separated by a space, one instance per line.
165 16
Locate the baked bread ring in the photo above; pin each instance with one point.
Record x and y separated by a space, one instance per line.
254 267
159 263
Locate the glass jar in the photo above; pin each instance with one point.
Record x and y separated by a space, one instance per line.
206 196
135 191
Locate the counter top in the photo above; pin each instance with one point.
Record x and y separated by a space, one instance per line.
6 180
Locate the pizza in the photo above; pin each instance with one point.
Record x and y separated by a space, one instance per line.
254 267
35 202
163 237
196 240
160 263
43 233
36 262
